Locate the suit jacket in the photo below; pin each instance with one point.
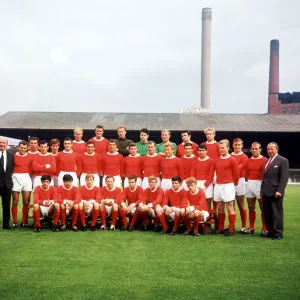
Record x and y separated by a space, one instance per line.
5 177
276 177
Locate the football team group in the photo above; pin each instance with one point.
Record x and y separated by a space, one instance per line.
122 183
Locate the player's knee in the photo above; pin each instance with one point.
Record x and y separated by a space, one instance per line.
63 206
75 207
36 207
115 206
80 206
96 205
196 212
56 206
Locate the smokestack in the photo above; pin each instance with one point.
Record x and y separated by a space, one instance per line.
206 58
273 77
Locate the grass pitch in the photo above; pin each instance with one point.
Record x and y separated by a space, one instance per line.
146 265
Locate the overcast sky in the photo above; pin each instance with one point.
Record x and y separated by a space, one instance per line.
142 56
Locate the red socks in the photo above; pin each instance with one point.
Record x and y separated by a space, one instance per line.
56 217
95 215
63 216
196 223
14 212
144 216
25 210
134 218
163 221
243 214
187 223
221 221
176 223
252 218
232 218
114 216
123 217
36 219
82 217
74 217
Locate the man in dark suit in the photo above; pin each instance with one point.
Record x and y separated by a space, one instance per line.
275 175
6 184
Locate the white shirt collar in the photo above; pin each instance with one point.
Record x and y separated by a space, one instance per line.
89 154
68 152
170 157
192 156
225 157
81 142
116 153
155 154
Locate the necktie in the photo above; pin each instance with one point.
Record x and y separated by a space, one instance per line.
2 160
268 164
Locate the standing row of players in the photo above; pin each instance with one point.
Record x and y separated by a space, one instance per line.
207 163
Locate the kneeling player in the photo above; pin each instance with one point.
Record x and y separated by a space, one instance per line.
88 195
68 197
197 211
153 196
109 204
44 197
134 195
174 203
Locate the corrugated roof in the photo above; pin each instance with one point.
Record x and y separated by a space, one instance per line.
152 121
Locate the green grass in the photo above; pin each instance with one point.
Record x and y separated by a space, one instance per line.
145 265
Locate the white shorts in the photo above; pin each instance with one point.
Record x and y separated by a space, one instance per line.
88 206
184 185
44 210
253 189
61 175
55 180
153 215
21 182
108 210
240 189
145 183
118 181
205 216
37 181
138 182
96 179
209 191
171 217
224 192
166 184
133 210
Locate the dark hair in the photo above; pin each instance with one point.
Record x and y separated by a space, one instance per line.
109 176
176 178
131 145
188 145
186 131
202 146
46 177
132 177
112 141
67 177
144 130
67 139
23 143
100 127
43 142
54 141
33 138
90 143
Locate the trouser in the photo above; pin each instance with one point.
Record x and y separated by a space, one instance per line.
5 194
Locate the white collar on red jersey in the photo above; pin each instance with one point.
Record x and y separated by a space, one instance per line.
209 143
240 153
116 153
192 156
176 191
195 193
225 157
53 154
46 154
80 142
111 189
66 188
17 153
89 154
170 157
89 188
137 155
101 139
152 191
204 159
190 142
133 189
257 157
30 152
68 152
155 154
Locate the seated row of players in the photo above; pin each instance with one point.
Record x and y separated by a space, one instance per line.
109 201
229 173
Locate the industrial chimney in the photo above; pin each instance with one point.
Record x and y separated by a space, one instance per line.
273 77
206 58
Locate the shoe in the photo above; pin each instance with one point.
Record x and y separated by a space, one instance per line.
173 232
63 228
227 229
187 232
219 231
156 228
130 228
83 228
164 231
24 224
37 229
196 233
123 228
145 228
103 227
245 230
15 225
93 228
55 229
6 226
228 233
277 238
112 228
74 228
266 234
